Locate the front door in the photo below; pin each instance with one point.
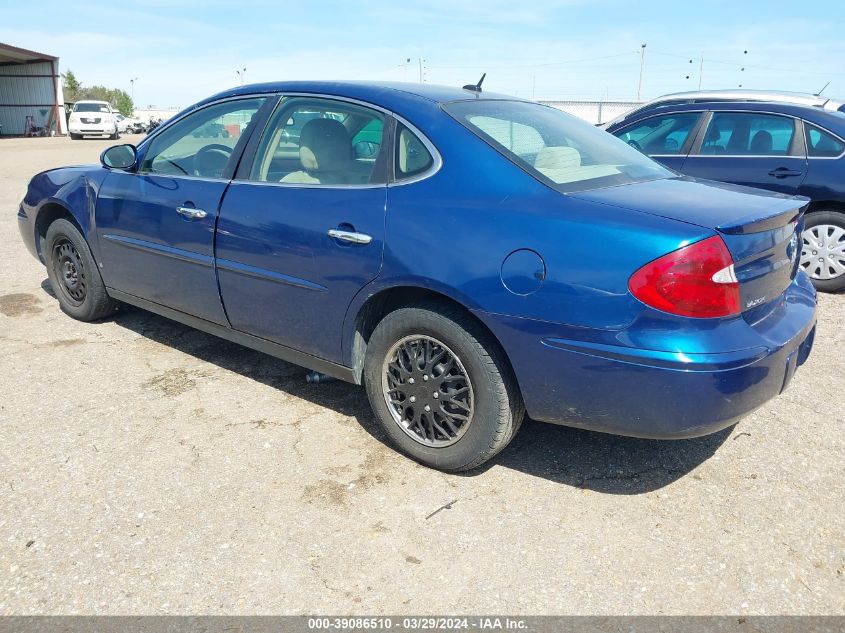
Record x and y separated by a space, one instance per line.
156 226
301 228
751 148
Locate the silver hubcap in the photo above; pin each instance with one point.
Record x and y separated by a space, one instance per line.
427 390
823 251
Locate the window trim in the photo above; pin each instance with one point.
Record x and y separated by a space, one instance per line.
241 174
795 144
689 142
237 151
804 124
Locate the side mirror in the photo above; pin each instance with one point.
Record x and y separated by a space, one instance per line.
365 149
119 157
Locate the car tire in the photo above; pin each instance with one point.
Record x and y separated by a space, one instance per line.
116 135
75 137
74 275
464 364
819 227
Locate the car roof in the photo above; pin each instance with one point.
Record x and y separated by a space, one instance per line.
734 97
375 92
832 119
90 101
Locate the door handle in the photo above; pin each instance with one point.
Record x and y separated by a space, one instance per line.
350 236
191 213
783 172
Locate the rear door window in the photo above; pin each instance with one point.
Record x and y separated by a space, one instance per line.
317 141
660 135
748 134
821 143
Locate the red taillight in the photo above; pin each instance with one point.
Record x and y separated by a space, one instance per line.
695 281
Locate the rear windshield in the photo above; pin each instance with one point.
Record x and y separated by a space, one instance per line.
90 107
559 149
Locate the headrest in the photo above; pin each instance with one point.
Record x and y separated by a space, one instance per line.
557 157
324 145
762 142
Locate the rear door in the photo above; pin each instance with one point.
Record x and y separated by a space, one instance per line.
301 228
757 149
667 138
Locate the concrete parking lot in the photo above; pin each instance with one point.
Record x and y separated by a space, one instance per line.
148 468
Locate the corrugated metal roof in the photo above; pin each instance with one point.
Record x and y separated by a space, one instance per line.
13 55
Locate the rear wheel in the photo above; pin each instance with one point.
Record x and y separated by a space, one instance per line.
74 275
441 387
823 249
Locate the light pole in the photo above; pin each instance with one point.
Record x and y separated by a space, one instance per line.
422 76
132 88
642 63
241 74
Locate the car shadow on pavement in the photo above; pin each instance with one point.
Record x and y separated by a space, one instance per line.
574 457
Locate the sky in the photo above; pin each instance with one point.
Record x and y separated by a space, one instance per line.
180 52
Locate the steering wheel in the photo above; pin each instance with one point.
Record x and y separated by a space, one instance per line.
211 160
635 145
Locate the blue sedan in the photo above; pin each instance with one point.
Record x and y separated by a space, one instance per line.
765 141
469 258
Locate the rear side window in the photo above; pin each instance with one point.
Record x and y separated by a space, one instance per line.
411 156
748 134
822 144
661 134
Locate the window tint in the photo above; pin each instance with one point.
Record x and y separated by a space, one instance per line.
661 134
821 143
321 142
556 147
748 134
201 143
412 157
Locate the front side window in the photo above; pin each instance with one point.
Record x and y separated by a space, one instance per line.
201 143
822 144
660 135
748 134
318 141
561 150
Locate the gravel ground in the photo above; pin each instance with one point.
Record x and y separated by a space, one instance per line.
148 468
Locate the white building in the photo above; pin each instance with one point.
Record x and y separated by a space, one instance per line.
29 86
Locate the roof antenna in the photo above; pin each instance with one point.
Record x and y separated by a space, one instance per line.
819 93
477 87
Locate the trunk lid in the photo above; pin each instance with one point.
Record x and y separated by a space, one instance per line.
760 228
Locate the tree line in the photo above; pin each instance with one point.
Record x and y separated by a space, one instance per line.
74 91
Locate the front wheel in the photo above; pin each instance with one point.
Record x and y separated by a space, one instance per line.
441 388
74 275
823 249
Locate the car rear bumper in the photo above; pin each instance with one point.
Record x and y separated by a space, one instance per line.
658 394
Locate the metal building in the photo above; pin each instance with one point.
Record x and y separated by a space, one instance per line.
29 86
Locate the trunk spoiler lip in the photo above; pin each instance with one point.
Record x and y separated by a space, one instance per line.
759 224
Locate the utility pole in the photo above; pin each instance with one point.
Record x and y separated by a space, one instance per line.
642 64
132 88
422 61
241 74
701 70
